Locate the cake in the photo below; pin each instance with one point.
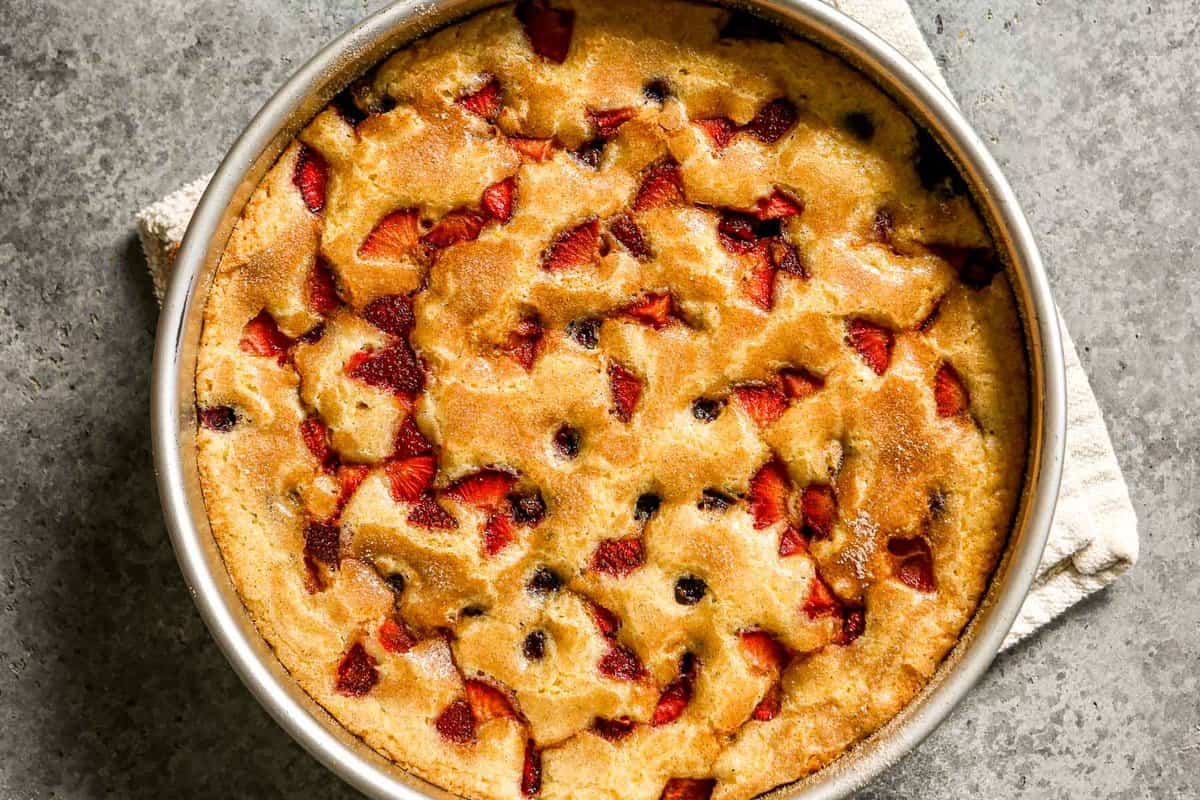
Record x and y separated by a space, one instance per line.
611 400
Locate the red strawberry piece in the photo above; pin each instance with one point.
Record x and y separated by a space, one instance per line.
872 342
217 418
310 176
573 247
356 673
487 702
618 557
497 534
393 236
818 506
395 637
678 693
525 343
764 652
350 477
485 489
498 199
768 494
609 120
613 730
531 771
534 149
410 477
392 313
949 393
656 309
626 391
606 621
323 542
854 623
777 205
428 514
662 185
321 289
456 723
759 282
626 231
313 432
784 256
409 440
914 562
773 120
395 369
688 789
262 337
763 403
821 601
798 383
621 664
484 101
549 29
792 543
461 225
768 708
737 232
719 129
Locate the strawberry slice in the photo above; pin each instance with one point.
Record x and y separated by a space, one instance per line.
321 290
678 693
409 440
626 391
854 624
395 637
618 557
485 101
392 237
410 477
349 478
607 121
768 708
525 343
737 232
768 494
621 664
487 702
720 130
606 621
662 185
764 652
498 199
613 730
356 673
217 418
626 231
792 543
428 514
798 383
688 789
914 562
872 342
573 247
485 489
497 534
531 771
537 150
656 309
821 601
773 120
549 29
818 506
262 337
310 176
777 205
456 723
461 225
392 313
763 403
323 542
313 432
758 283
949 393
395 369
784 256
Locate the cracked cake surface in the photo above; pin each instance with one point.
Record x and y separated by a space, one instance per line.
611 400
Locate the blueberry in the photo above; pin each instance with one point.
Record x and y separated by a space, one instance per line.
706 409
544 581
690 590
534 647
566 441
646 507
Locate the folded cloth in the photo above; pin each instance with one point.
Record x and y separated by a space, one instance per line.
1093 539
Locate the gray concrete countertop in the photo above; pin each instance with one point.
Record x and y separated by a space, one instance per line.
110 684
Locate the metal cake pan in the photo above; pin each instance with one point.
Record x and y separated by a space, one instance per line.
173 419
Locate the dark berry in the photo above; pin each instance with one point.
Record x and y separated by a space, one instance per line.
566 441
534 647
217 418
544 581
742 25
656 90
395 582
585 332
589 153
860 124
713 500
937 502
935 169
528 509
646 507
473 611
706 409
690 590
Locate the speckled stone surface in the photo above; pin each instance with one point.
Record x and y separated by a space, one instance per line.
110 684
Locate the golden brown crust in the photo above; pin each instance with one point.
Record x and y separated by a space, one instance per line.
914 466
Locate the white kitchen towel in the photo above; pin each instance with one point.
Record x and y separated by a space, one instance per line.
1094 537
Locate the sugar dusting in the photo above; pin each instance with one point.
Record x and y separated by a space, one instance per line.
861 547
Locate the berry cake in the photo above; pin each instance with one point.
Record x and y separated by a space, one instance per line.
611 400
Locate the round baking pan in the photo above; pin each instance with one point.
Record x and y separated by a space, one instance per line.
173 418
